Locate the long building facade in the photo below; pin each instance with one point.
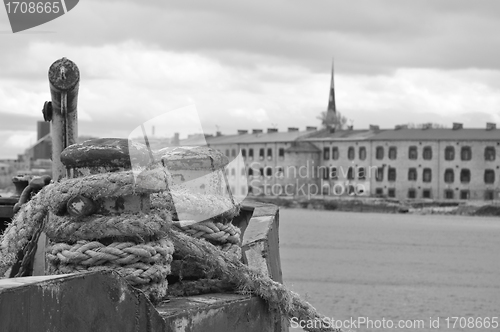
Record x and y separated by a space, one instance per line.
401 163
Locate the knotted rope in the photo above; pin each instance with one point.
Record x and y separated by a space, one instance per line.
146 264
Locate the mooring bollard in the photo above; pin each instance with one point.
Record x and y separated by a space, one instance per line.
96 156
61 111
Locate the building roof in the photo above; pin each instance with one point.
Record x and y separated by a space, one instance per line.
327 135
300 146
471 134
286 136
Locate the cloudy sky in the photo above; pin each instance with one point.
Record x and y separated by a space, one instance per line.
257 64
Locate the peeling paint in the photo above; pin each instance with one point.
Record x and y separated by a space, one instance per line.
181 324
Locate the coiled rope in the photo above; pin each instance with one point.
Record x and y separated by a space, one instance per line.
76 246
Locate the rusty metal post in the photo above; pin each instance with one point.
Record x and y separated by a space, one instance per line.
64 78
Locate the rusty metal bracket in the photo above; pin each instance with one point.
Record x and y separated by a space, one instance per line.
47 111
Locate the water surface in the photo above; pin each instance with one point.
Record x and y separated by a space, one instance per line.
393 266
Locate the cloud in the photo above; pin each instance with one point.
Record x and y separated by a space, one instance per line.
14 142
374 36
256 64
421 95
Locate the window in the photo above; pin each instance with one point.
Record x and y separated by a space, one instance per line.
243 171
350 174
379 153
280 173
449 175
393 152
350 153
227 152
361 173
379 191
261 172
466 153
335 153
379 175
325 190
325 173
281 153
269 171
333 173
427 175
326 153
489 153
250 190
489 176
449 153
448 194
391 192
261 153
412 193
269 154
250 172
362 153
464 194
465 175
412 153
250 153
391 174
489 195
350 190
427 154
412 174
426 193
243 153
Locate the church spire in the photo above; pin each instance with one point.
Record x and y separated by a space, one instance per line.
331 102
331 112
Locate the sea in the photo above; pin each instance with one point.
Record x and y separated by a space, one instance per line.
394 272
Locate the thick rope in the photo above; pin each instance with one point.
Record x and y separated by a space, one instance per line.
93 253
248 280
152 276
71 229
20 230
213 231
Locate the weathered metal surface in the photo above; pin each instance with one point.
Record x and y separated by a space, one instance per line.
260 246
260 243
102 152
64 78
217 312
79 303
185 157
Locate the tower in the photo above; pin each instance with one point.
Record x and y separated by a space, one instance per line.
331 112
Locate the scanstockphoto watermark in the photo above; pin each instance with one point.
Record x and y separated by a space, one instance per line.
310 190
25 15
311 171
310 180
353 324
437 323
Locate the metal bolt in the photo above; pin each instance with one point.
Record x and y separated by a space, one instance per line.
47 111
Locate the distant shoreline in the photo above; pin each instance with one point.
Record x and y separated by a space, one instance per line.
384 205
